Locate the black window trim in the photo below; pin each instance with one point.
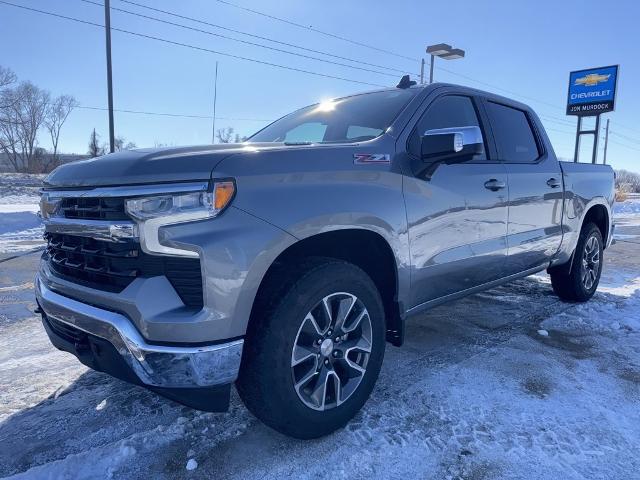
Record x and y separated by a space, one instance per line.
542 152
475 102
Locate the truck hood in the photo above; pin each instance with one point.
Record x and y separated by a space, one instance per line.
158 165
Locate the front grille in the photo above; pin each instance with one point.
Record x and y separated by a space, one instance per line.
111 266
93 208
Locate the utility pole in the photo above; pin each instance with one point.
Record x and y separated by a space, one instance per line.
606 142
215 98
107 29
422 71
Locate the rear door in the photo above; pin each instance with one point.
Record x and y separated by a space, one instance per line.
534 229
457 215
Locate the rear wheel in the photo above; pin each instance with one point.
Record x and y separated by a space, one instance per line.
313 354
582 282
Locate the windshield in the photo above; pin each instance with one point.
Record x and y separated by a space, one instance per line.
350 119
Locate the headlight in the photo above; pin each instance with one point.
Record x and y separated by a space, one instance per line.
183 207
156 211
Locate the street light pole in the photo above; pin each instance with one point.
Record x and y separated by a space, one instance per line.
107 29
433 60
442 50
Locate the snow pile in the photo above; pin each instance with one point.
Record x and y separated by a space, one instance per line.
20 227
631 206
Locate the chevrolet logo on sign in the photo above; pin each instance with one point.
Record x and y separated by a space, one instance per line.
592 91
592 79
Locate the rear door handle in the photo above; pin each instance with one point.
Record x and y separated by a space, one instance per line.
494 185
553 182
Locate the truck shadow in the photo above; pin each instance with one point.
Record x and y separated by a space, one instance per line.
96 410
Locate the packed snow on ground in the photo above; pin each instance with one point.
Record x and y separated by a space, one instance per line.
20 227
508 383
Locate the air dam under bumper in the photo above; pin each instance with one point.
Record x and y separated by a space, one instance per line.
199 377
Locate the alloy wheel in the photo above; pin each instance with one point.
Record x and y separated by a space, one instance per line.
331 351
590 262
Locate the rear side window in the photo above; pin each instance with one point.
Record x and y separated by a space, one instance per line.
515 139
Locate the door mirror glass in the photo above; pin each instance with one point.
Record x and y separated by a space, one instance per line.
454 144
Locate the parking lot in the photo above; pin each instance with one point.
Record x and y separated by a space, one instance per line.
508 383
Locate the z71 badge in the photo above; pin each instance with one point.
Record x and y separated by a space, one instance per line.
371 158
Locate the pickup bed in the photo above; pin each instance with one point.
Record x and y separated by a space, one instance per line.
286 263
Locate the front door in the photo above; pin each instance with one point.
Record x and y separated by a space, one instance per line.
457 217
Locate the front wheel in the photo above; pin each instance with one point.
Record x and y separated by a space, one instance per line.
582 282
313 355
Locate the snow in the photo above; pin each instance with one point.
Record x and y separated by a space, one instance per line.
20 227
478 391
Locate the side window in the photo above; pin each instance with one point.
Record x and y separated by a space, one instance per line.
445 112
515 140
363 133
306 132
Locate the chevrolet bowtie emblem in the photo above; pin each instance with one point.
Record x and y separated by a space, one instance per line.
592 79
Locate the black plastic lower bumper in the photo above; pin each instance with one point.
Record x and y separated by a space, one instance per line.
100 355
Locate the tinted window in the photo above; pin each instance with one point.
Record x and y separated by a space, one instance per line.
306 132
363 133
512 131
356 118
445 112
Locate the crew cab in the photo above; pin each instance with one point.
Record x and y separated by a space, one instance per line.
286 263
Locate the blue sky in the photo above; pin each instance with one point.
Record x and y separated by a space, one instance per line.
526 48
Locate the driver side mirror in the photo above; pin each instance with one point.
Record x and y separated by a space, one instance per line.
451 145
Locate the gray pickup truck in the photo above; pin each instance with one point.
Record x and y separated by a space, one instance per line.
285 263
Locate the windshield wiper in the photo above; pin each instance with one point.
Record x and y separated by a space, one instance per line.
298 143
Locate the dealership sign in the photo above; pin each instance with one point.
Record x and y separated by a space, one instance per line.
592 91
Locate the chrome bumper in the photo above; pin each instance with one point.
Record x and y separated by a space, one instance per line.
155 365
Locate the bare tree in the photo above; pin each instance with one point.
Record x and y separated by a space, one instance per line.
224 135
122 144
7 78
628 182
95 150
21 116
57 113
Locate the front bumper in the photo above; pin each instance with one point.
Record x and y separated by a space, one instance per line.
155 366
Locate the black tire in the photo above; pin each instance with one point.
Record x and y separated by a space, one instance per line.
572 286
266 379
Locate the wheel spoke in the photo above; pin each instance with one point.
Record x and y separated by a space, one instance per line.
312 320
306 379
353 325
344 309
319 394
301 354
337 386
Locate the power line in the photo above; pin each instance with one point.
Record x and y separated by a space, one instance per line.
203 22
511 92
625 137
307 27
167 22
179 115
194 47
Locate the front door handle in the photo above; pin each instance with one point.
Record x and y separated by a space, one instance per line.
494 185
553 182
